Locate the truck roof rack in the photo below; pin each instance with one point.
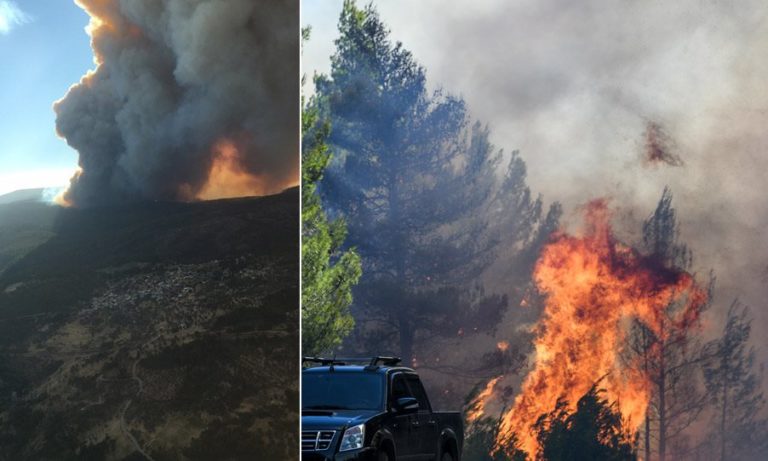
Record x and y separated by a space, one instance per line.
325 361
373 362
386 361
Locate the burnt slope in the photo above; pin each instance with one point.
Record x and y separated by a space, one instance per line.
149 328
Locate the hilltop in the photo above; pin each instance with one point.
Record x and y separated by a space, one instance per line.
22 195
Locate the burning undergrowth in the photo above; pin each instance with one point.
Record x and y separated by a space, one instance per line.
594 287
189 100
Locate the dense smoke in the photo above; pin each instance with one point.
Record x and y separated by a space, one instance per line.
573 85
190 99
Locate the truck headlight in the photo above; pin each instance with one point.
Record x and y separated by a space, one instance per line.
354 437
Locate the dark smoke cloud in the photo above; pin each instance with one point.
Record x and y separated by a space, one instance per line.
174 78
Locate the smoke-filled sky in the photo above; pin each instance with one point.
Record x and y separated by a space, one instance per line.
43 50
583 88
191 99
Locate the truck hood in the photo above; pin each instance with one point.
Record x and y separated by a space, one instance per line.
334 419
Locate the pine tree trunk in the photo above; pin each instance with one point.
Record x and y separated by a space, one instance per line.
662 423
723 434
647 437
662 403
406 340
405 324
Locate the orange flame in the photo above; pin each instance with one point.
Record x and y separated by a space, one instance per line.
228 178
477 407
593 286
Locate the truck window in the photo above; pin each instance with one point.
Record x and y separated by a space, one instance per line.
342 391
417 389
399 388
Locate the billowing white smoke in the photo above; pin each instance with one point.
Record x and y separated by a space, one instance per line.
174 79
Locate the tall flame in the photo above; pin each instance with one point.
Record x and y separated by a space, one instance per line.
593 286
477 408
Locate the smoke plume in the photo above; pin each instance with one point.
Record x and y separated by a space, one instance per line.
190 99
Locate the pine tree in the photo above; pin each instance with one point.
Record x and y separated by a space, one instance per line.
739 428
328 272
480 443
593 431
418 184
671 359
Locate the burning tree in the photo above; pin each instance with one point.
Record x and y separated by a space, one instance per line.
739 429
328 272
665 347
593 287
418 184
594 429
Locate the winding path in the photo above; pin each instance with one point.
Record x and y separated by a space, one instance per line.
135 377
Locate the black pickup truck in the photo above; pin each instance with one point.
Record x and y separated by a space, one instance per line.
377 411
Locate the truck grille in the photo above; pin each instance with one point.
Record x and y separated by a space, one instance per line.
316 440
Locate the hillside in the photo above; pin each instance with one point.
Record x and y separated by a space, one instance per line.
22 195
149 331
25 223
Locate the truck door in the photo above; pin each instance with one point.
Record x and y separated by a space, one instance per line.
427 426
403 429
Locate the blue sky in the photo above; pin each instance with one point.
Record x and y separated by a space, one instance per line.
43 50
322 16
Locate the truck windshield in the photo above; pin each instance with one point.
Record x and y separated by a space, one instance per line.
342 391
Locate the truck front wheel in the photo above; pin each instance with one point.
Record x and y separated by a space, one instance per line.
447 456
384 455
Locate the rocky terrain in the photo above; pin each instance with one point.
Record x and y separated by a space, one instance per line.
157 331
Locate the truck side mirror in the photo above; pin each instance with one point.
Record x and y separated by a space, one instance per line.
407 405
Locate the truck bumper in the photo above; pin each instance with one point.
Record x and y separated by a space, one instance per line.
364 454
